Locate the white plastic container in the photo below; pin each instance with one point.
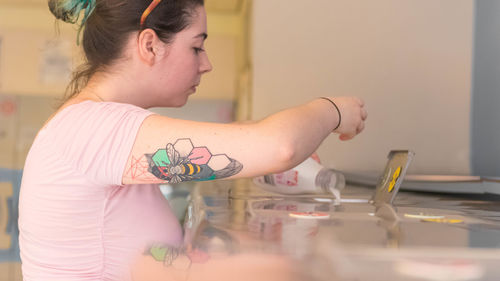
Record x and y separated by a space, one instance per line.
309 177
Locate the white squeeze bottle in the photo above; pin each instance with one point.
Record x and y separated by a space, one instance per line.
309 177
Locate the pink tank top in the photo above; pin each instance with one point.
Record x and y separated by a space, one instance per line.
76 220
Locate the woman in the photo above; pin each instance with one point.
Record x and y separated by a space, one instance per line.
82 214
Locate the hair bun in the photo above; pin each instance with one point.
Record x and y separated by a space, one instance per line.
69 10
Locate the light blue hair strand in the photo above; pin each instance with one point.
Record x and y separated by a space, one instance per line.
70 10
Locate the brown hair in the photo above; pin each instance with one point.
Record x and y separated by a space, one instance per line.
107 25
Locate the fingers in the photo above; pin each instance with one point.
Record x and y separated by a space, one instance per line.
354 115
349 136
360 128
345 137
364 114
315 156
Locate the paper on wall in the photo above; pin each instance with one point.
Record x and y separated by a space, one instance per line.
55 65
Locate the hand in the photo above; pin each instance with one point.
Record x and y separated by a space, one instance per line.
353 116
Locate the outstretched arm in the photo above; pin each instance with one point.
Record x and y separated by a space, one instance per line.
170 150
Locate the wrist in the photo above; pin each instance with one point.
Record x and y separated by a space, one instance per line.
336 109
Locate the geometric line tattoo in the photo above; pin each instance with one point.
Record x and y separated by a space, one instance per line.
139 170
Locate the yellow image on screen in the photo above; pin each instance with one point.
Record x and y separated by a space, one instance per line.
395 177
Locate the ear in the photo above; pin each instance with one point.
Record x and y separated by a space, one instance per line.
149 46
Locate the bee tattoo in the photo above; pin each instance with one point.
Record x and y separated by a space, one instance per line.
182 161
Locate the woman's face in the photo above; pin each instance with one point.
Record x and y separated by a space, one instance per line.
184 62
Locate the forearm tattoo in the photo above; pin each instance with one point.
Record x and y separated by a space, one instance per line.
182 161
166 254
174 257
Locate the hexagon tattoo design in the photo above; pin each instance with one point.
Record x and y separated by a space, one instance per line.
182 161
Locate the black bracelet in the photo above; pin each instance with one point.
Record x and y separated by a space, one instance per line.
338 110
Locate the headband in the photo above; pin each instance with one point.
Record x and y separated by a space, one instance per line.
148 11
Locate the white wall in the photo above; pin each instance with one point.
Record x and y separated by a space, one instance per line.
410 60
